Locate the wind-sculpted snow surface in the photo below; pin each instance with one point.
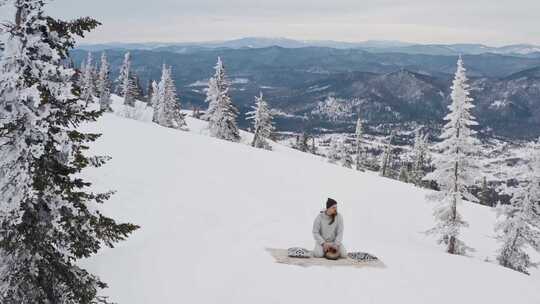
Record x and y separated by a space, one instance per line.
208 208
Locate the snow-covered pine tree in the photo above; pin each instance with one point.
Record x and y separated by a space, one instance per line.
122 75
359 134
302 142
131 91
154 101
95 76
221 111
404 174
420 158
484 193
79 75
168 109
104 85
519 229
518 225
149 92
334 153
455 168
125 85
138 92
313 148
216 86
197 112
262 123
386 157
87 80
345 155
48 217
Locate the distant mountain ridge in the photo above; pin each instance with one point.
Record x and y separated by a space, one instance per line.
384 88
370 45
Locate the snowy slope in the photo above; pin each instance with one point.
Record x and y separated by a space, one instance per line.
208 208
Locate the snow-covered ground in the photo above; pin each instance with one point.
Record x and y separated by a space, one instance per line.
208 209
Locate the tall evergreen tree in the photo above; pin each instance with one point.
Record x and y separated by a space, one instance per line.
216 86
334 153
138 92
404 174
48 217
302 142
484 193
262 123
420 158
519 228
122 75
196 113
168 112
79 75
125 85
359 134
87 80
95 77
221 111
518 225
345 155
149 92
455 169
313 148
154 101
104 84
386 157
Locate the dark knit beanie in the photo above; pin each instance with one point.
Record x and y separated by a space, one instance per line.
330 202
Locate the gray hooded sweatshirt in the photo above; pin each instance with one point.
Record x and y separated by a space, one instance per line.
323 232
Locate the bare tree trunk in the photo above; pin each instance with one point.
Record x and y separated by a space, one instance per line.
358 157
256 137
18 16
452 241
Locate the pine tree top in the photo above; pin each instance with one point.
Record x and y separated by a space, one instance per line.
49 218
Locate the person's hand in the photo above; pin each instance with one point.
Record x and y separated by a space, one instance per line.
332 247
327 246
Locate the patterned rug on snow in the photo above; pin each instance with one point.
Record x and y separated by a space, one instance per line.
354 259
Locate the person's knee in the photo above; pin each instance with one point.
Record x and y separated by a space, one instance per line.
342 251
318 252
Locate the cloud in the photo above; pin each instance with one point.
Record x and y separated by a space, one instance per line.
424 21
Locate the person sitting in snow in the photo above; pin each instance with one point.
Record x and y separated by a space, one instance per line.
328 233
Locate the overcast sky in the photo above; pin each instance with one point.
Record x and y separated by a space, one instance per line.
493 22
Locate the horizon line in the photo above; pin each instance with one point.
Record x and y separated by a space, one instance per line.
405 43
